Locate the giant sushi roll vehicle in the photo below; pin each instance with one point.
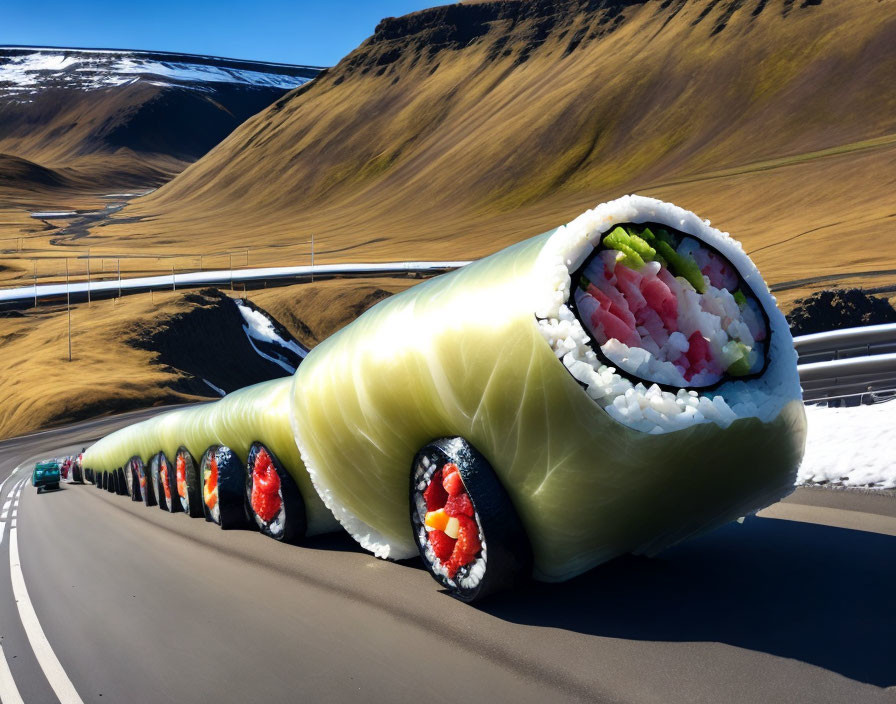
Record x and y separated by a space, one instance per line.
613 386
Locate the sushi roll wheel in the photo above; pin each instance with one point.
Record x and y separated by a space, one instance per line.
223 479
467 530
109 481
275 503
147 486
121 486
167 486
156 480
186 481
134 472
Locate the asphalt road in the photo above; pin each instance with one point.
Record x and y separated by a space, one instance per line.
138 605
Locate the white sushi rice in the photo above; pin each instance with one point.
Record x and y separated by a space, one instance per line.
366 536
646 407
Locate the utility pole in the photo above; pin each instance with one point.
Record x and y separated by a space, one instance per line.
68 305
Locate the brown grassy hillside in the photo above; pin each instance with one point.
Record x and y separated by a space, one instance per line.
121 356
454 131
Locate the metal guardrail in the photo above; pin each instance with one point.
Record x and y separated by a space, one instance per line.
855 363
847 343
24 295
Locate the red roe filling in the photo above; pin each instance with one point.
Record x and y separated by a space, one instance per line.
166 487
446 493
265 497
181 476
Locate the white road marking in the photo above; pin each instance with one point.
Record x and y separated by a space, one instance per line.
9 693
43 651
7 505
2 534
11 475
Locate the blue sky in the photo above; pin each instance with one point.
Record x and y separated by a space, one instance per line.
299 32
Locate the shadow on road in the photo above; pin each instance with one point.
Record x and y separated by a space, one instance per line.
47 492
824 596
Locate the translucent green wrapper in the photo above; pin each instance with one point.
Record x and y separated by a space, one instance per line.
258 413
461 355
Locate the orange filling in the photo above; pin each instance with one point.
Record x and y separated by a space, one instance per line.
210 488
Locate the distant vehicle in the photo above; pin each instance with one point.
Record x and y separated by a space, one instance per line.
46 475
77 473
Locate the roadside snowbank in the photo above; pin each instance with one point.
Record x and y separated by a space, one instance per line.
851 446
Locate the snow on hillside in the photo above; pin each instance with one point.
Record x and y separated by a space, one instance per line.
851 446
275 345
27 70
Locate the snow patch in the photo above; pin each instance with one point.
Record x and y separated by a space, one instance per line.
26 74
851 446
259 328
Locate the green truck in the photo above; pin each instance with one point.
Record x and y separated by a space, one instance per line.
46 475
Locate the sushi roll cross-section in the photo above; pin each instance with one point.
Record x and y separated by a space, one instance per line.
457 504
274 499
223 478
665 308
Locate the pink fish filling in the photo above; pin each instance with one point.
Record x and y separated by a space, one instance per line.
650 309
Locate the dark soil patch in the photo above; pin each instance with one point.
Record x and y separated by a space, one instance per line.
208 342
837 309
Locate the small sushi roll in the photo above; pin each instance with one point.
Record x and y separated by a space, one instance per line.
111 478
133 475
155 479
148 482
223 479
168 500
121 484
187 483
468 533
274 499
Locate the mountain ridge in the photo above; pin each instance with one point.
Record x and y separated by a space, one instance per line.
124 118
